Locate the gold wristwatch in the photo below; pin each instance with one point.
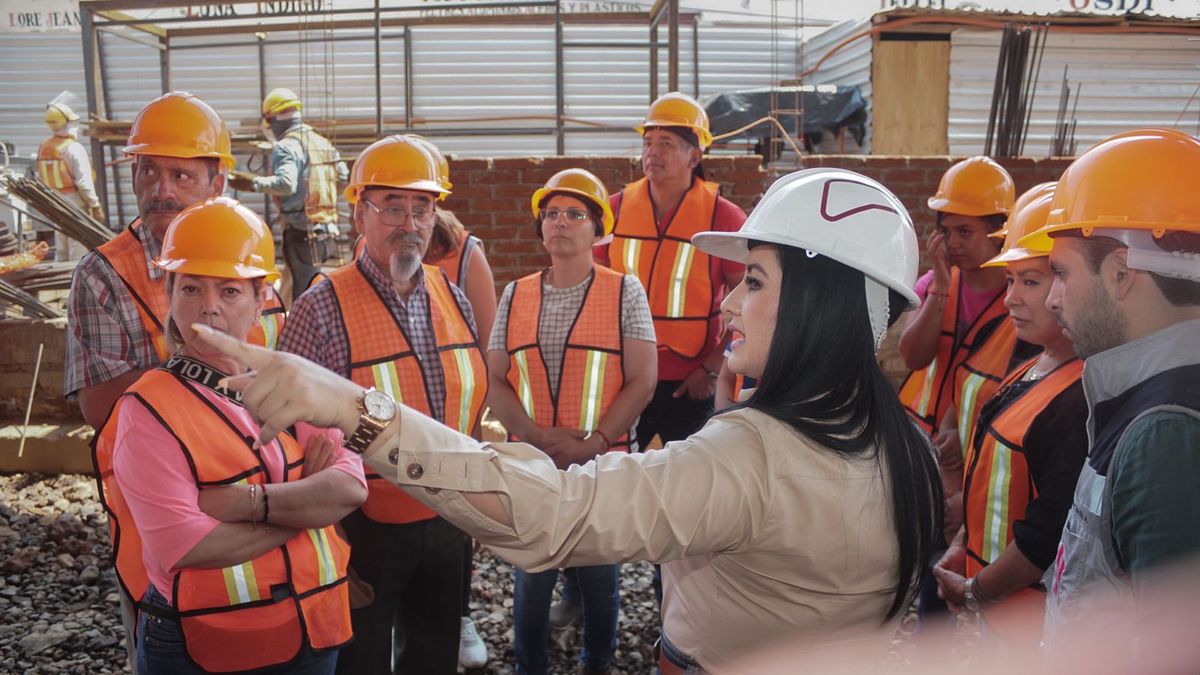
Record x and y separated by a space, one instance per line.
375 411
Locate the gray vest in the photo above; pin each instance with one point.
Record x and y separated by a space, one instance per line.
1087 581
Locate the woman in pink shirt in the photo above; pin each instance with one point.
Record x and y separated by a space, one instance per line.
243 567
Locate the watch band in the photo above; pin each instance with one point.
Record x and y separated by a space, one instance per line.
368 428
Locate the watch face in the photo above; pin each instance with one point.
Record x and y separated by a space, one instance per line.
379 405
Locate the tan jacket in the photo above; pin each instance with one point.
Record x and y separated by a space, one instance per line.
762 536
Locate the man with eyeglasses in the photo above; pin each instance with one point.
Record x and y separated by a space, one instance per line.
394 325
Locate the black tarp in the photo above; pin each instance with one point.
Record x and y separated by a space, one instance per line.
827 109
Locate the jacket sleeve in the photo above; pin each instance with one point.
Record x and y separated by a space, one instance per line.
285 172
701 495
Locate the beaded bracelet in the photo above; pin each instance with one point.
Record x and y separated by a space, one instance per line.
266 508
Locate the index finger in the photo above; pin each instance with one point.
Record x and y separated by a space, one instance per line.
250 356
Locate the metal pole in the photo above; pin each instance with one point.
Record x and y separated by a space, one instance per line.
164 64
87 27
653 60
262 95
695 59
408 77
559 93
378 71
112 152
673 45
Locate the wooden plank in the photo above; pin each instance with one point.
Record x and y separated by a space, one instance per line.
910 97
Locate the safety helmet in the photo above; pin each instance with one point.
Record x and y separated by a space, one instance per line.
1025 198
442 163
219 238
58 115
976 186
179 124
1026 218
280 99
395 162
839 214
678 110
577 182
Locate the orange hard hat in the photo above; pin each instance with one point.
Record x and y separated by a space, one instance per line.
678 110
976 186
1139 180
1024 200
1026 218
219 238
179 124
577 182
395 162
442 163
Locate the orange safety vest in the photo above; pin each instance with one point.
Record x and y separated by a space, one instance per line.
125 255
677 275
51 166
592 372
455 266
255 614
381 356
926 393
320 178
980 375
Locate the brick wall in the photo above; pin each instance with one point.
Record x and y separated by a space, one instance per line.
492 195
19 340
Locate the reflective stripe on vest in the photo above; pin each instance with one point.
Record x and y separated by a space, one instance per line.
381 356
320 178
52 167
126 256
254 614
926 393
980 375
997 485
678 277
592 370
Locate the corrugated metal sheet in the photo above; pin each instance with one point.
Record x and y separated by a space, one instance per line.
1127 81
851 66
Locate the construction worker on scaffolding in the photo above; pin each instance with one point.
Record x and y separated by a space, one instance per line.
305 172
63 165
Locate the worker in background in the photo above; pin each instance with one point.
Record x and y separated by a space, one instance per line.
460 255
656 217
118 305
63 164
1125 234
961 304
1023 458
571 366
305 172
389 322
809 513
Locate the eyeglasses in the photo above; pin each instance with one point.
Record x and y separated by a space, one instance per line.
394 216
573 215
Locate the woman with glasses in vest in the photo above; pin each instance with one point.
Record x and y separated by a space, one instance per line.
571 365
228 543
1023 459
807 512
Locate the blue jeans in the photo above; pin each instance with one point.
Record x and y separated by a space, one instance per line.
599 589
160 648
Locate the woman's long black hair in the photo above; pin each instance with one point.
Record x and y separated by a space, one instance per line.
822 378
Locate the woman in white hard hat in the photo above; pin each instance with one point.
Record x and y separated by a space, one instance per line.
808 511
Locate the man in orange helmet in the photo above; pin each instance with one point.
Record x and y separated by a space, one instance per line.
400 327
1125 234
117 308
63 165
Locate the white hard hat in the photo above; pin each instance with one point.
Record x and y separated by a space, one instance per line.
839 214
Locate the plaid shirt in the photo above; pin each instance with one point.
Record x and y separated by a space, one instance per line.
105 336
314 327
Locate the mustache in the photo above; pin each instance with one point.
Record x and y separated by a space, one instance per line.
164 206
404 238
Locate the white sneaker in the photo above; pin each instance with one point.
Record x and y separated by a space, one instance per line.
472 651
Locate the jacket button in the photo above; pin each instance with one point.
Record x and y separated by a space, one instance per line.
394 456
415 471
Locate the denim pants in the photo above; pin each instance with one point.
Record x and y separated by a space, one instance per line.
599 593
160 649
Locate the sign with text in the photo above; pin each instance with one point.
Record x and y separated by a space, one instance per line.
39 16
1174 8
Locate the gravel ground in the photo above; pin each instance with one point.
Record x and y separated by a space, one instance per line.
58 593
